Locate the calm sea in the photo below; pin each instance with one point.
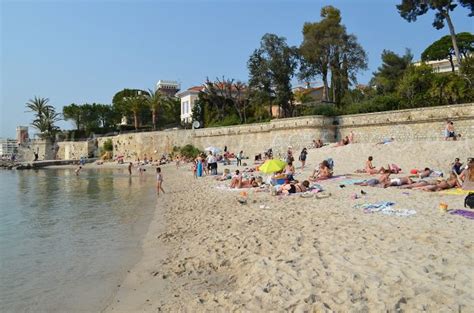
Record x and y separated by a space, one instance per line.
67 241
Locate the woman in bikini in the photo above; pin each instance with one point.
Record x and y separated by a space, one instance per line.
294 188
323 172
449 183
398 182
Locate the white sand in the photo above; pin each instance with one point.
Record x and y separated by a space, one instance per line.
206 252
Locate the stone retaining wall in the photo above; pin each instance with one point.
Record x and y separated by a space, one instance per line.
405 125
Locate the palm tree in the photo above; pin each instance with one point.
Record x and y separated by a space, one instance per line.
135 105
38 106
153 100
45 123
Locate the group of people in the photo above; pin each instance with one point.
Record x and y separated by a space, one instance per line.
459 177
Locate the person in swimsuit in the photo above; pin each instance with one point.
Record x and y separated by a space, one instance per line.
290 171
398 182
467 176
130 168
302 157
369 167
323 172
450 133
294 188
451 182
159 181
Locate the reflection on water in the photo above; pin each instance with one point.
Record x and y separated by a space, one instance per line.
67 240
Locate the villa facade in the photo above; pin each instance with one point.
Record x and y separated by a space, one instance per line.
188 99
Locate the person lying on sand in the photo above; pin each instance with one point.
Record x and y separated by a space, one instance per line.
293 188
392 168
323 172
373 182
385 141
420 183
425 173
399 181
238 182
451 182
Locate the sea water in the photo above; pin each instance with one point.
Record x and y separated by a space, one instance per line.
67 241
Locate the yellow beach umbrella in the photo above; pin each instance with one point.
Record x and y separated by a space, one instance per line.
272 166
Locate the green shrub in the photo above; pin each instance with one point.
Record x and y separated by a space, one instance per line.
189 151
108 145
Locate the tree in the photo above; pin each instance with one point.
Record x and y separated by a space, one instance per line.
414 87
38 106
388 75
326 50
119 100
348 59
73 112
411 9
443 48
271 67
153 100
45 123
135 104
45 115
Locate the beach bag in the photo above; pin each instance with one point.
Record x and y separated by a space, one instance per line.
469 201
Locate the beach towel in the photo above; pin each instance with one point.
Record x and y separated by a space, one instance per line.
464 213
384 207
348 182
334 178
456 192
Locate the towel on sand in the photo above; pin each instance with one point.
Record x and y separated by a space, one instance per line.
465 213
456 192
384 207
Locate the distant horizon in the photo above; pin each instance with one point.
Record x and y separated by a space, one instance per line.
85 52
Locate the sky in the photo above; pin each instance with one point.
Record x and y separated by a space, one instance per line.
86 51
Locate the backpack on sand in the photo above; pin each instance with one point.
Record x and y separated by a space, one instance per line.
469 200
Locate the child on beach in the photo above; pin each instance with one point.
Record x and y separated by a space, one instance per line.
159 181
78 170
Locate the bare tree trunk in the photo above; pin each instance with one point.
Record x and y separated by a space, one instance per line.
153 117
135 120
451 62
325 88
453 37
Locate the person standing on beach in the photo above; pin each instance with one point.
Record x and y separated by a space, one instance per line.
78 170
240 155
302 157
130 168
159 181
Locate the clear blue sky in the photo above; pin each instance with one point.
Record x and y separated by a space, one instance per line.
86 51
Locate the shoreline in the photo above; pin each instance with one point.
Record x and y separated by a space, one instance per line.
131 293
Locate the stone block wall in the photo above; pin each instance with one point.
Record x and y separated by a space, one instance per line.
73 150
404 125
408 125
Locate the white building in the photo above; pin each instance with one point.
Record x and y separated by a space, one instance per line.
188 99
8 147
441 66
168 87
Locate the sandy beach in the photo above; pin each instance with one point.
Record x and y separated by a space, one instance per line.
204 251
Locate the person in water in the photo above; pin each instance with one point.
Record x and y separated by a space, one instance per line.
78 170
130 168
159 181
